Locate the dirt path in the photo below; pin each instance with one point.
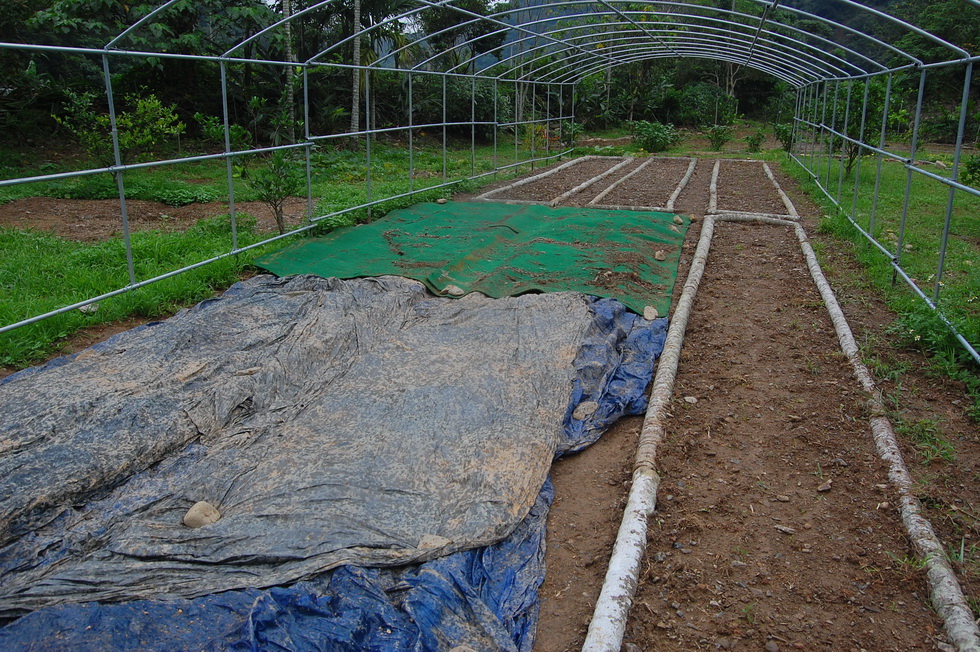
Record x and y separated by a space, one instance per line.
775 526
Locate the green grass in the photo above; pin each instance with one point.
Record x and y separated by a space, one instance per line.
917 328
928 438
40 272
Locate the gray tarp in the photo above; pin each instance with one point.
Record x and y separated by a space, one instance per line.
262 402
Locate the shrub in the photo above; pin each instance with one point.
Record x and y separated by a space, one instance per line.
971 171
784 134
718 135
754 141
275 181
655 136
140 128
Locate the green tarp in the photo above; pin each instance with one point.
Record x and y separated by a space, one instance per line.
504 250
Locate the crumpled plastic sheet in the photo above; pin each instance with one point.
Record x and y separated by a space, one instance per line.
484 596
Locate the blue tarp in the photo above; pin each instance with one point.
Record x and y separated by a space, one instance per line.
483 597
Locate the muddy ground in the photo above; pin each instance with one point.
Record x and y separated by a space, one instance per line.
775 526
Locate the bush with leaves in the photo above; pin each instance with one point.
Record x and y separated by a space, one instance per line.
655 136
141 127
214 130
277 180
718 135
754 141
784 134
971 171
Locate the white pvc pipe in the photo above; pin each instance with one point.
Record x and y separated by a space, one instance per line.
713 188
536 177
782 195
618 182
683 184
612 608
582 186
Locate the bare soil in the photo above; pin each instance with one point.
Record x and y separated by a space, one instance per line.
656 182
550 187
92 220
776 528
734 193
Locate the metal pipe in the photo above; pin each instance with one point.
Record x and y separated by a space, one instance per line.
860 150
444 133
229 171
117 155
833 126
960 131
309 144
908 173
881 159
367 137
411 134
847 117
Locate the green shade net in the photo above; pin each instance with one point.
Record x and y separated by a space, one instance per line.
504 250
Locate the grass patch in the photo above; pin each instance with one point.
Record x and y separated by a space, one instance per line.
928 439
40 272
917 328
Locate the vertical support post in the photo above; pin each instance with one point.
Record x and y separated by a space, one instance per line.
547 124
860 154
367 137
812 140
844 142
473 126
117 157
496 122
822 129
411 137
517 93
574 99
229 168
561 119
916 122
830 132
797 113
532 125
954 175
881 158
308 149
444 133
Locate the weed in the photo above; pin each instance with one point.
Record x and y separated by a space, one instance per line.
812 367
928 439
748 613
907 563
